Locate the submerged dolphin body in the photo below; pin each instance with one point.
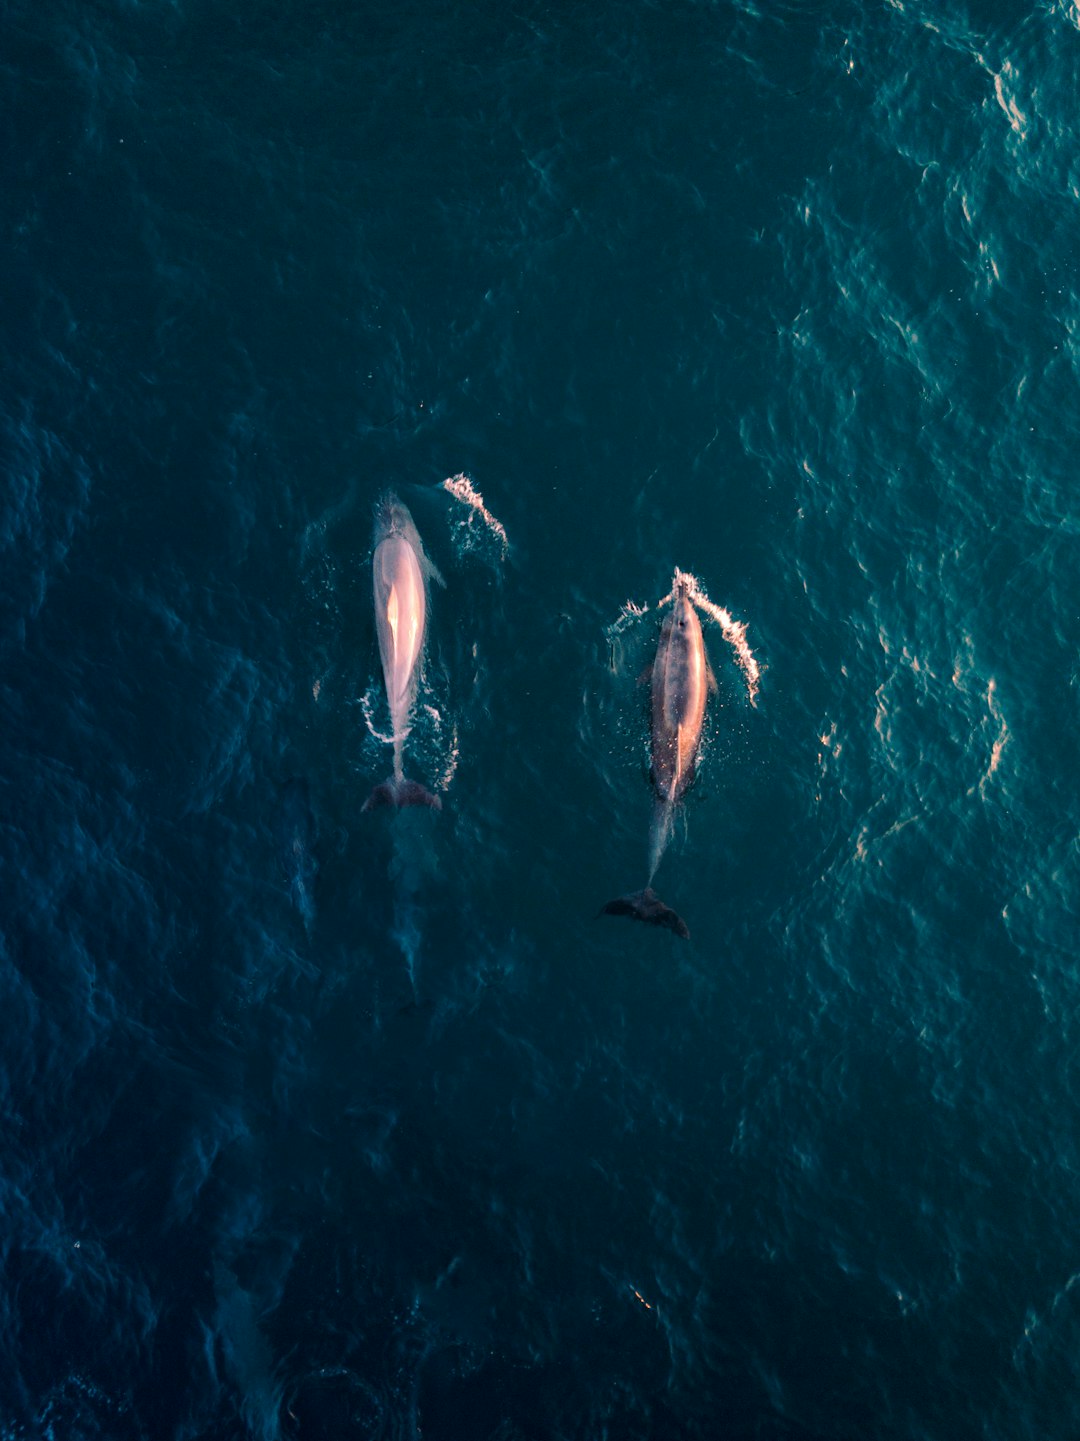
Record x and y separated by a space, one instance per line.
681 679
400 571
296 839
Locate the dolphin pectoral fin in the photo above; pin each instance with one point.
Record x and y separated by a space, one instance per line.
433 570
710 678
401 793
647 906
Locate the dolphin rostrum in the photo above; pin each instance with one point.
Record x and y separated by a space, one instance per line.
400 570
681 677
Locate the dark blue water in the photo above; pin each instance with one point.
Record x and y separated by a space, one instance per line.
322 1124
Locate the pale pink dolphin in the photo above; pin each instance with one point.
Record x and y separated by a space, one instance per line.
400 572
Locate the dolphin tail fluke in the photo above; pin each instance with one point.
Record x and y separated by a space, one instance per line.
647 906
395 792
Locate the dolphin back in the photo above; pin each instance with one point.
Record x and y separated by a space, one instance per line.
399 589
679 687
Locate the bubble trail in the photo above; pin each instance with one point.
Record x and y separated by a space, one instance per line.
462 488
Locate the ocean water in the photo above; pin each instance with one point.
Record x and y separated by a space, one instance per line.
325 1124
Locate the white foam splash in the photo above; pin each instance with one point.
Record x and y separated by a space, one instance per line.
452 754
451 765
629 612
462 488
734 631
367 705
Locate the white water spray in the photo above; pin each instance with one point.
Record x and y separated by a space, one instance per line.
462 489
628 614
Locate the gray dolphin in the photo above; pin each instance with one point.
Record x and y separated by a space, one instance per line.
400 571
681 679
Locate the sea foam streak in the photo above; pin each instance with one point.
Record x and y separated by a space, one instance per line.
462 488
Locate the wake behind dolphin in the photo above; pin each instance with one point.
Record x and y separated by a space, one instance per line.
680 679
400 571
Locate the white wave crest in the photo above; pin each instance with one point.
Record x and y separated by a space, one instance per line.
462 488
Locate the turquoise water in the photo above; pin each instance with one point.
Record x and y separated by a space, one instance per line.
327 1124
